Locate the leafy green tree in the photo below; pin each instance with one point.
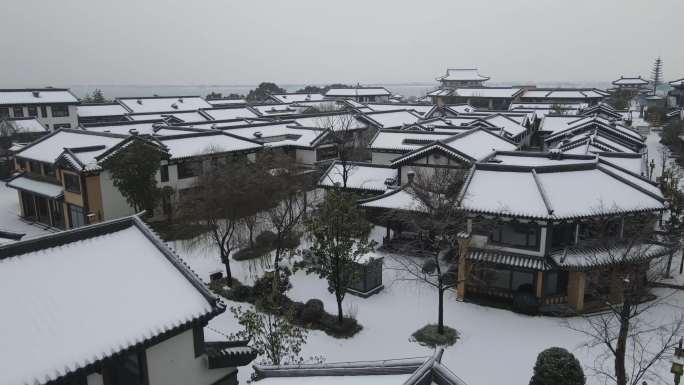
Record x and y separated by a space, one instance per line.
263 91
275 339
96 97
339 231
671 133
311 90
557 366
133 172
214 95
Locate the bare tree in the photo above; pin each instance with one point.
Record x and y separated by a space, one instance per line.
221 198
349 139
630 342
438 221
288 190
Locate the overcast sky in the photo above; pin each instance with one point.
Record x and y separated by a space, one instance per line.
152 42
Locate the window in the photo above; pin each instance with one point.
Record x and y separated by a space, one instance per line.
21 164
127 370
4 112
43 111
562 234
18 112
34 167
164 171
189 169
32 111
59 111
497 278
71 183
522 281
49 170
63 125
521 235
76 216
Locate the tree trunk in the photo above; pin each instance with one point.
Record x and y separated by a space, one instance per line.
440 313
340 316
621 347
226 262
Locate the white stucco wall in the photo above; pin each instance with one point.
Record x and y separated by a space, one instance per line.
114 205
49 120
306 157
173 362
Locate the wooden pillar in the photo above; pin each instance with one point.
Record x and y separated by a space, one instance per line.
576 286
463 267
540 284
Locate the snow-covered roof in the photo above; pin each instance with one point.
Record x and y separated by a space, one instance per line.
487 92
197 144
46 189
404 140
556 123
58 328
594 141
37 96
677 82
581 258
563 93
394 119
630 81
588 123
635 164
394 199
361 91
361 176
25 125
226 102
538 159
422 109
567 191
230 113
184 116
296 97
49 148
408 371
163 103
462 74
124 128
278 134
479 142
275 109
510 126
336 121
96 110
388 379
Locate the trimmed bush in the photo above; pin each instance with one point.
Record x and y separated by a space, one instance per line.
428 336
265 239
557 366
312 311
525 302
245 254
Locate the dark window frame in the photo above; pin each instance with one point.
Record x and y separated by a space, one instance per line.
32 111
69 185
164 173
43 111
4 112
18 111
190 169
62 110
532 237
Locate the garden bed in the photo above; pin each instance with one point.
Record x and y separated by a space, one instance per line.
310 315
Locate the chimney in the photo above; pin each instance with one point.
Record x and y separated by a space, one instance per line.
180 100
139 101
174 106
257 134
36 94
133 131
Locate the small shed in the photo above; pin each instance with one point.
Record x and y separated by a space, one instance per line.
368 276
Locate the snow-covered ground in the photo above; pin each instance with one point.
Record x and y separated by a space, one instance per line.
9 214
496 346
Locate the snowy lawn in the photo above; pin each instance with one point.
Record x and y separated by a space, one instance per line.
496 346
9 214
